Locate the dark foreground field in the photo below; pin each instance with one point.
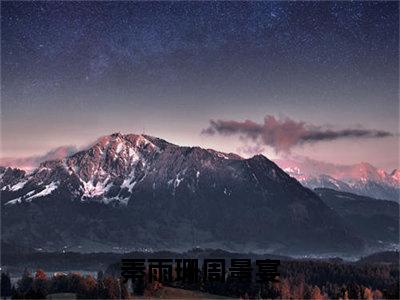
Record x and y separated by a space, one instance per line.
97 275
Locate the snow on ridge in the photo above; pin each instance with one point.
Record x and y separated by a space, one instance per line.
177 181
91 190
14 201
334 182
123 201
129 182
18 186
141 140
219 154
132 153
15 187
120 147
47 190
396 176
30 193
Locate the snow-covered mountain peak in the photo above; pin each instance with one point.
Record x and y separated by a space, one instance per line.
119 142
396 175
114 160
111 157
365 171
115 165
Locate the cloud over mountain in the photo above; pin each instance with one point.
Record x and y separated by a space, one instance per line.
284 134
31 162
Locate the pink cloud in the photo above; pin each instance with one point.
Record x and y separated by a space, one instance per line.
31 162
284 134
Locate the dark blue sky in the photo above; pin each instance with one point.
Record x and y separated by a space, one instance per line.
72 71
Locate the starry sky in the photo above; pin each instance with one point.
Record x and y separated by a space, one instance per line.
74 71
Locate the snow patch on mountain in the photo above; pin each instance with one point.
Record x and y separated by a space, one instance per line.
128 183
48 189
92 190
18 186
14 201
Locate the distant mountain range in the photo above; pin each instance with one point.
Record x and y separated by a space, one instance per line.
138 192
362 179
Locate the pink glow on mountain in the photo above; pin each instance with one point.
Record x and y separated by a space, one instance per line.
396 175
30 162
304 168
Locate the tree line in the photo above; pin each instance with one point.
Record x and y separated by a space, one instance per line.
39 286
298 280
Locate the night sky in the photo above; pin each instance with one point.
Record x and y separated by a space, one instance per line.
74 71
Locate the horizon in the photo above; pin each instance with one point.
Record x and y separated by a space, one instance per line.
64 151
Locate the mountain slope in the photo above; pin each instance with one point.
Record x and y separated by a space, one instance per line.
374 220
365 187
136 191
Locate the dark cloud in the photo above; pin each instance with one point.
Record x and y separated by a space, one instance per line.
284 134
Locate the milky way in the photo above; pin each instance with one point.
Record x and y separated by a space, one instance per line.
74 70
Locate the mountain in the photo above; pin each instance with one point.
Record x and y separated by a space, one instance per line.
362 179
130 192
385 257
326 181
395 175
374 220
